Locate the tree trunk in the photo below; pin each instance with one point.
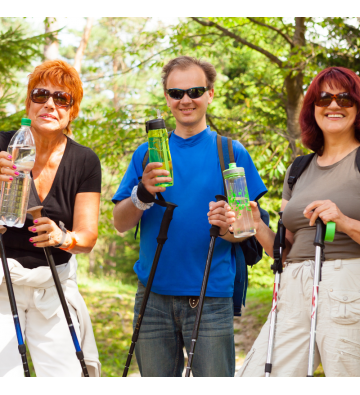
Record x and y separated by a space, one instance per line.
294 88
85 38
51 48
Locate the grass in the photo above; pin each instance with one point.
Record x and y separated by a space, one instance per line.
110 304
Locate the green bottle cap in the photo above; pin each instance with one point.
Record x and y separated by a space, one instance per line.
330 231
233 171
26 122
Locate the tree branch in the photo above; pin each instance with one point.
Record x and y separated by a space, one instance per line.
237 38
283 35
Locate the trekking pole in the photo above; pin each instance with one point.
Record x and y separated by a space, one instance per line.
10 290
323 233
214 233
161 239
36 213
277 268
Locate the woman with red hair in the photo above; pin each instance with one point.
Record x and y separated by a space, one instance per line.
67 183
328 188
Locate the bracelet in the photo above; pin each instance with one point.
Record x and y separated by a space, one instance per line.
137 202
74 241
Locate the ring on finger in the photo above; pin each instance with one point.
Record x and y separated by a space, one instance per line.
50 236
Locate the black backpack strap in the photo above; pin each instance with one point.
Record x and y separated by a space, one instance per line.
358 158
146 157
297 168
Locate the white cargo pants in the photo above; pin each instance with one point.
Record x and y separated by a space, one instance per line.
48 339
338 325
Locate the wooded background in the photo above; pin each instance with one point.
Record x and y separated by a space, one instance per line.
264 67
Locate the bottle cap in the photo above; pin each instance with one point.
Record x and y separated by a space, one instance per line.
26 121
233 171
155 124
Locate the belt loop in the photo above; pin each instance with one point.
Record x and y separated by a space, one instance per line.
337 264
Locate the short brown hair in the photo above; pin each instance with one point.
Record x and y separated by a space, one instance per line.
184 62
60 73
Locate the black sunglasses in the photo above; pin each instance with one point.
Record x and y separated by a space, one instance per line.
193 93
61 99
342 100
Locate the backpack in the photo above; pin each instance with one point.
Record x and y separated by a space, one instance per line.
302 162
248 252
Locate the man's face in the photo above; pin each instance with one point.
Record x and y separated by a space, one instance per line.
188 112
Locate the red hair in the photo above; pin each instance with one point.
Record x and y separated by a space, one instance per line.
59 73
339 77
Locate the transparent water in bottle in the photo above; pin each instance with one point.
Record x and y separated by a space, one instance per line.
239 201
14 196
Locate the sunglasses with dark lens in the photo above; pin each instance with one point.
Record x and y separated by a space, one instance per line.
342 100
193 93
61 99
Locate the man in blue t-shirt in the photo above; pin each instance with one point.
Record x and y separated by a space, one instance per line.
170 314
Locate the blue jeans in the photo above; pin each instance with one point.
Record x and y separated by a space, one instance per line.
167 327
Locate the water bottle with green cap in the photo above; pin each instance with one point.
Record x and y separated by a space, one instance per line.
14 195
159 150
238 198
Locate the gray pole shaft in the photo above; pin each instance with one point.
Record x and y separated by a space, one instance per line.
314 308
273 318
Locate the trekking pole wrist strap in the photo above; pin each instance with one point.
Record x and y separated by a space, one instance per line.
140 197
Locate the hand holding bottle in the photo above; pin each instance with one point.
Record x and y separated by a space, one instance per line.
151 177
7 168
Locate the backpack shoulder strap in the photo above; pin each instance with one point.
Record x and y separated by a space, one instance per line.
146 156
226 154
358 158
297 168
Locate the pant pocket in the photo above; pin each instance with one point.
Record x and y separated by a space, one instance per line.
345 307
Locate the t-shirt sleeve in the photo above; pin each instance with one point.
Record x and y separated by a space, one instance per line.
286 194
131 177
255 184
91 178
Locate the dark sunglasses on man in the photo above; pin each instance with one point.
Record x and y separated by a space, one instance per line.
61 99
342 100
193 93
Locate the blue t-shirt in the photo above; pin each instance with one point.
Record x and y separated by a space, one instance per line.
197 179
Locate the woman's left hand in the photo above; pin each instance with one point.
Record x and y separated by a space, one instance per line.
52 236
327 211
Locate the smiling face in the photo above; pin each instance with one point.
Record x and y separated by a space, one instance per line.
335 120
48 118
189 113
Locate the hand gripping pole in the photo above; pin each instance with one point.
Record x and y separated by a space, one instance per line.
36 213
214 233
322 232
10 290
277 268
161 239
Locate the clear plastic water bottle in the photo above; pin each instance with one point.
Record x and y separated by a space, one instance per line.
14 195
239 201
159 150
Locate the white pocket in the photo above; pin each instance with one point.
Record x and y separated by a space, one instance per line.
345 307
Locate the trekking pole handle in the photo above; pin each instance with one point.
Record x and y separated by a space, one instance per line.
36 213
165 223
2 229
215 230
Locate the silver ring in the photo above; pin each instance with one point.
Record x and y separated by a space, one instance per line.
50 237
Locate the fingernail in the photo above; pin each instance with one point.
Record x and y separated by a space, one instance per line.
31 240
34 244
33 229
36 221
16 173
10 178
14 167
9 157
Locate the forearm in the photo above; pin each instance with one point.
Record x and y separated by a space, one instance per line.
351 227
126 215
86 242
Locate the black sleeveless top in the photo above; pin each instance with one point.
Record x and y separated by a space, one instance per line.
79 171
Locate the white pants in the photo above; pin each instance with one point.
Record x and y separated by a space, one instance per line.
48 340
338 323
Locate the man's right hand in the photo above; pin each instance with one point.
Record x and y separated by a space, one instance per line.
7 167
151 176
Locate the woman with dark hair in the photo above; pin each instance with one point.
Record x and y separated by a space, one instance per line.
67 183
328 188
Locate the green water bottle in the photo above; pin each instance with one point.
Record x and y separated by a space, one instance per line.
159 150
